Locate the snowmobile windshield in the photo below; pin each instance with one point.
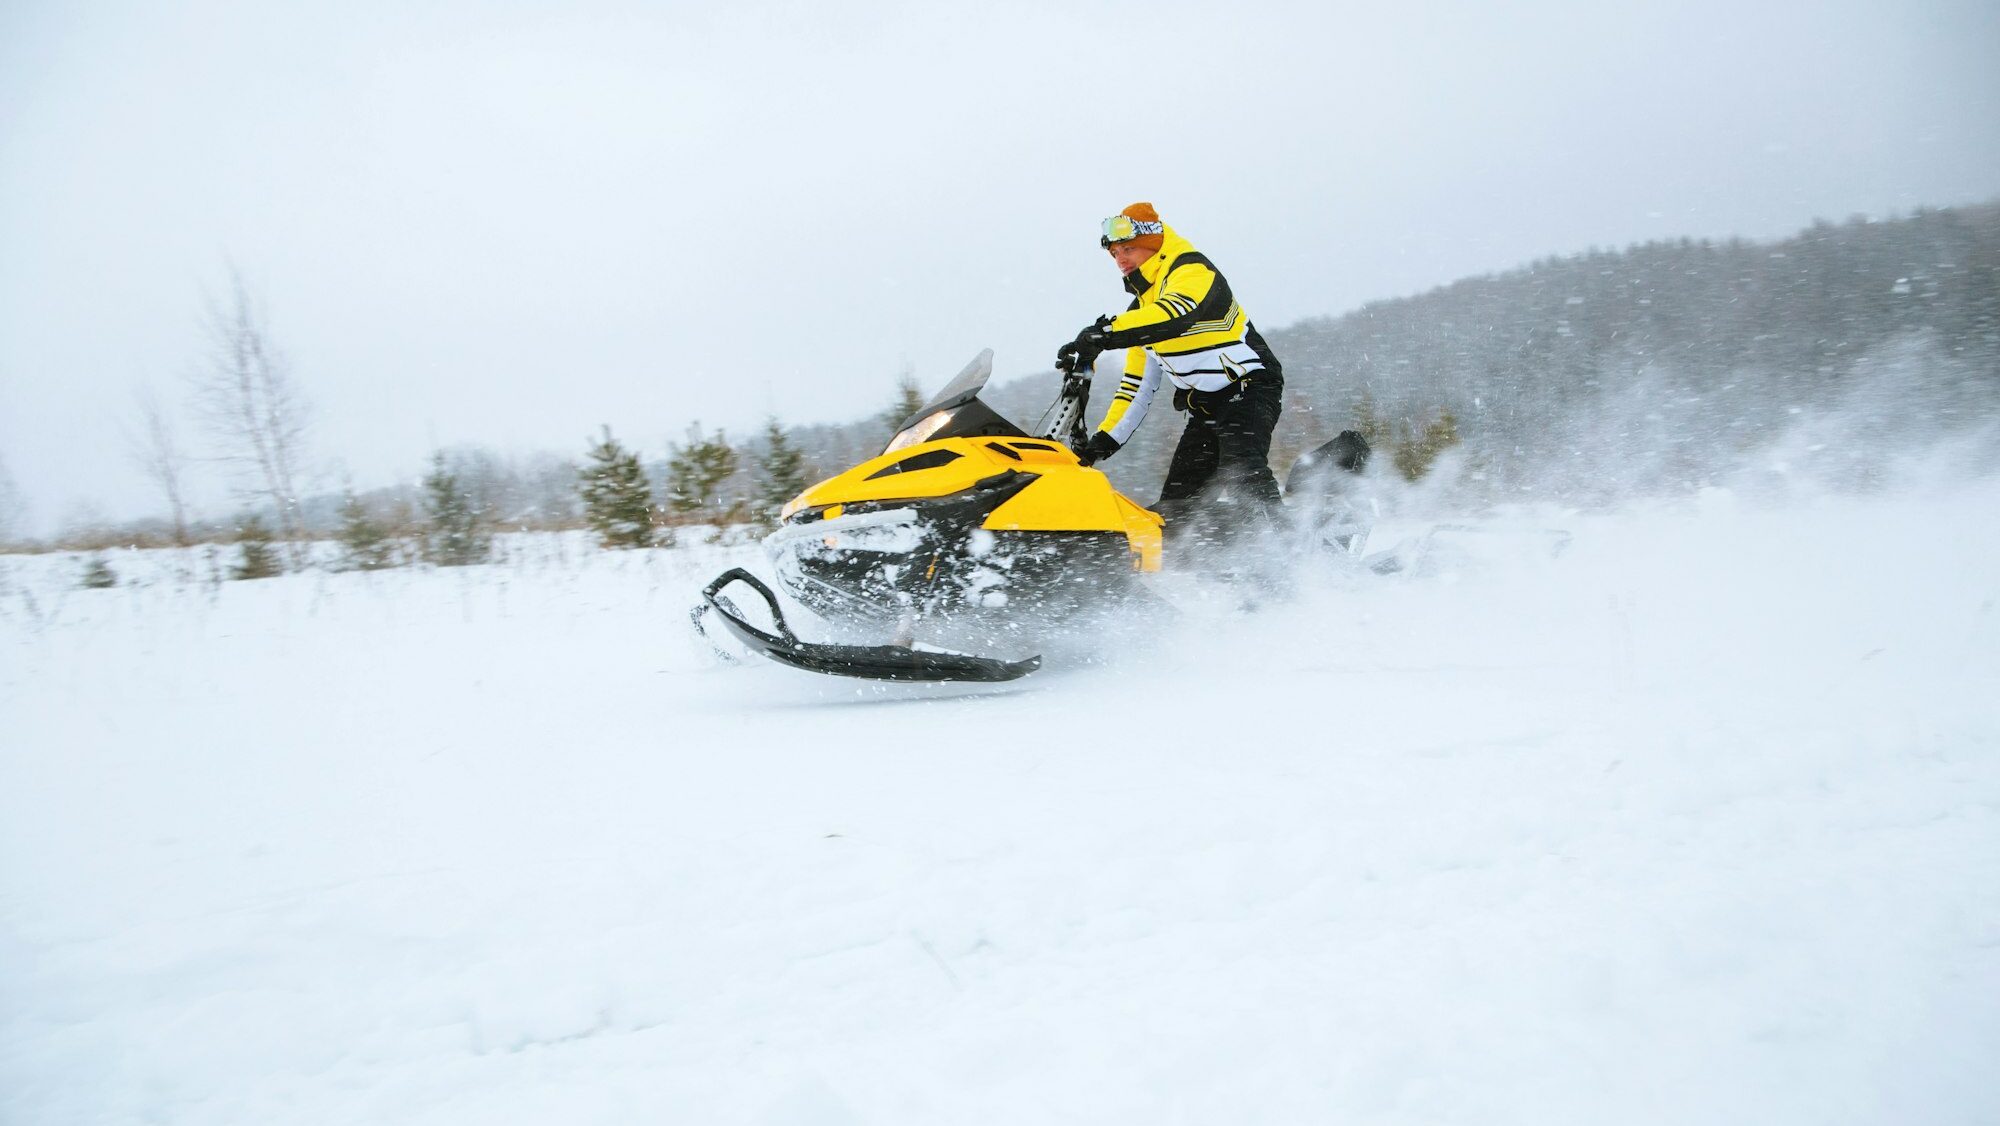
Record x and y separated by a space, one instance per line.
956 411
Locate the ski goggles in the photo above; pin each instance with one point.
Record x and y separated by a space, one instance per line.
1124 228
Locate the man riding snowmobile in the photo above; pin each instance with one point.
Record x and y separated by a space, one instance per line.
1184 323
969 534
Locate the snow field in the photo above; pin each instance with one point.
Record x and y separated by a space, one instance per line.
1693 822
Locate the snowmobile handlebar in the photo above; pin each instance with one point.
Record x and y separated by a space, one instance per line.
1063 421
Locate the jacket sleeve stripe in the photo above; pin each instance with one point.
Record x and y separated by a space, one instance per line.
1194 292
1135 394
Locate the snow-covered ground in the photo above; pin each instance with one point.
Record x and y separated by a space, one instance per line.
1697 821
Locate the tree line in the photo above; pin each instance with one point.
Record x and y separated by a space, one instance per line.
1585 377
255 423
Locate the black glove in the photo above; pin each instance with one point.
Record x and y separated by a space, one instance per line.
1077 356
1081 354
1100 446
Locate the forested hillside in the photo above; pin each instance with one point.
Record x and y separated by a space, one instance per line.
1682 355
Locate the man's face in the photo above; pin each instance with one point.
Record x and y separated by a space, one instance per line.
1129 256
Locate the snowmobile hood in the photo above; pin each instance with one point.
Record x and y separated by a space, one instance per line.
1061 495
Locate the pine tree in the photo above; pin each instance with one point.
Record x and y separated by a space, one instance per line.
1417 450
365 544
456 534
1412 449
98 575
256 559
909 400
695 470
617 498
1369 423
782 473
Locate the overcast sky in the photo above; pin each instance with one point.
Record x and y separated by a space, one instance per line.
505 224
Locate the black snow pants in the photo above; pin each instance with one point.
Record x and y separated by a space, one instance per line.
1220 479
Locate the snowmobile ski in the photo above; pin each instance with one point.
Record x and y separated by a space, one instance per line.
870 662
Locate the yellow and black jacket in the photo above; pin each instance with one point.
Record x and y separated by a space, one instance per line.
1184 324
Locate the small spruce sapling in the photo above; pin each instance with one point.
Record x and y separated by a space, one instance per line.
908 401
98 575
781 471
695 473
617 497
365 545
256 558
455 534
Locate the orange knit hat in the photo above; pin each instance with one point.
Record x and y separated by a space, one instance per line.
1143 213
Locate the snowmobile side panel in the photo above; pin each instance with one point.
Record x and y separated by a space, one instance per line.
1082 500
868 662
1145 531
1064 502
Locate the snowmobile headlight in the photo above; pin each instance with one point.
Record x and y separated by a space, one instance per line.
919 432
1124 228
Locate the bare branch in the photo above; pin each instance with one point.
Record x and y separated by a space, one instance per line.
158 453
247 400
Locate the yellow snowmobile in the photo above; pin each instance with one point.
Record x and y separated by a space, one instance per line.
967 526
